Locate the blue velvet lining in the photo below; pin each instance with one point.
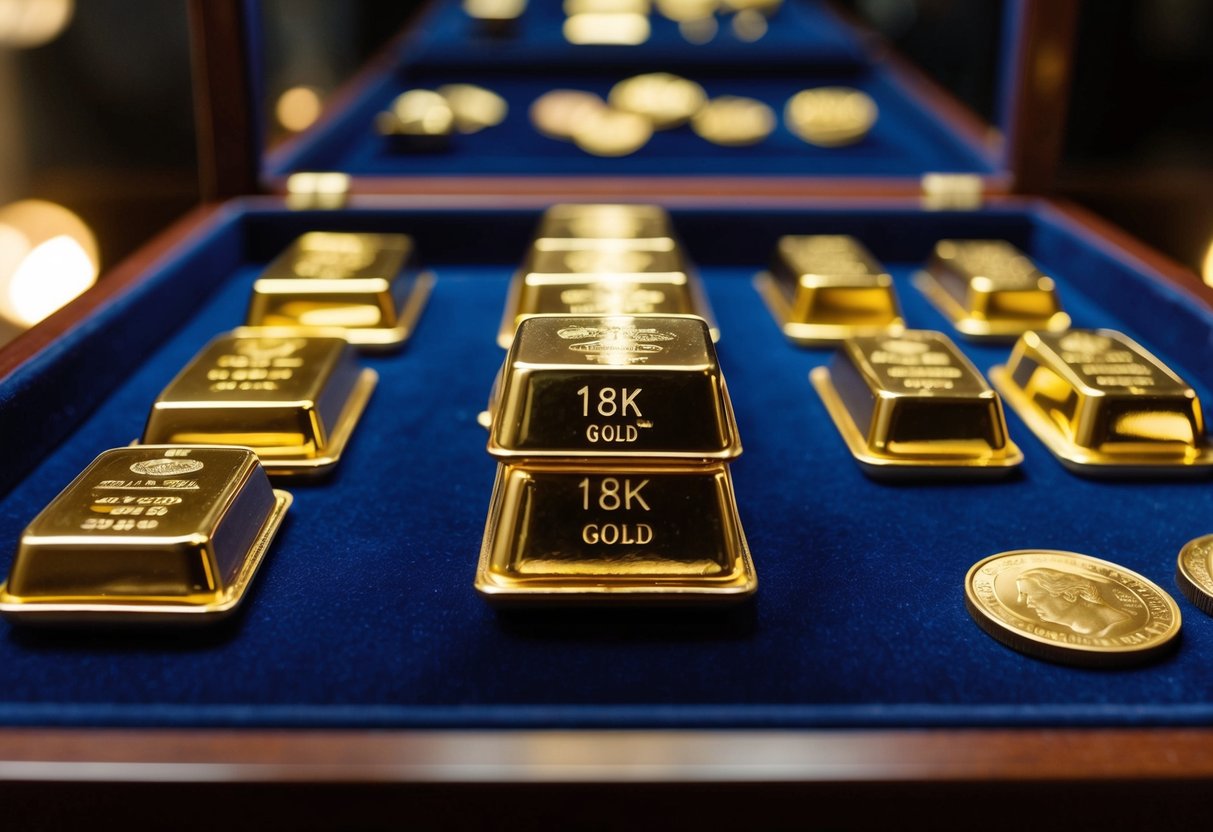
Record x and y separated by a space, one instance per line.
364 612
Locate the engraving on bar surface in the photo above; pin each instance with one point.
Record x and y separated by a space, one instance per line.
605 264
912 366
325 255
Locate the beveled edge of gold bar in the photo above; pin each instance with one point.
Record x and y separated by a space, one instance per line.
1088 462
367 339
127 612
645 592
884 466
813 335
980 329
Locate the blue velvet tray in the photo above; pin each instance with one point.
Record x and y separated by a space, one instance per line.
364 612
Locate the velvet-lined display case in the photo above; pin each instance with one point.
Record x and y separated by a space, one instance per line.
366 676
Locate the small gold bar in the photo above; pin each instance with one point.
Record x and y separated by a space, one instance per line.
580 225
293 400
365 287
149 534
912 405
644 533
989 289
824 288
612 386
1104 405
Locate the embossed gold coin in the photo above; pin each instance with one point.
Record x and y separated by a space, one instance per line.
1194 572
556 113
473 107
611 132
734 121
1071 608
830 116
665 99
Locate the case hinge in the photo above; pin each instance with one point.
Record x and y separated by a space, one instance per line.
313 190
951 191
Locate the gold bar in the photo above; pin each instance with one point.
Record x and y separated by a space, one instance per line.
990 289
365 287
642 533
612 386
151 534
824 288
913 405
295 401
640 225
1104 405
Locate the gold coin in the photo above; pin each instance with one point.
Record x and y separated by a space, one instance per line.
684 10
555 114
666 100
474 108
610 132
734 121
1194 572
830 116
417 113
1070 608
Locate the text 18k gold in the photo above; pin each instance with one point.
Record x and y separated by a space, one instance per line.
365 287
295 401
823 288
913 405
145 535
989 289
1104 405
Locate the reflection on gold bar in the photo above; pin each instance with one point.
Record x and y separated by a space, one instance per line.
913 405
365 287
990 289
643 533
823 288
294 401
602 263
147 534
613 386
605 222
1104 405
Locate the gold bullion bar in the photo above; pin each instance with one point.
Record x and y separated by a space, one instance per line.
641 533
1104 405
293 400
612 386
147 534
990 289
913 405
823 288
640 225
366 287
604 280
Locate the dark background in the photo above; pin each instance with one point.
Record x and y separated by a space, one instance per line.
100 119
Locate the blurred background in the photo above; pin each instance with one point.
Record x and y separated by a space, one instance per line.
97 149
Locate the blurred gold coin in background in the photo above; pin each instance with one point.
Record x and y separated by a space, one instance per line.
555 114
666 100
474 108
734 121
830 116
417 113
610 132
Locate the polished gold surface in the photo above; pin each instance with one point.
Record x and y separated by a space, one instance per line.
913 405
823 288
364 286
420 119
830 116
1071 608
619 225
734 121
612 386
990 289
1194 572
474 108
295 401
603 260
147 534
665 99
1104 405
611 132
641 533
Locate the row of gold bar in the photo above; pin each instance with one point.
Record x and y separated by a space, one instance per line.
611 425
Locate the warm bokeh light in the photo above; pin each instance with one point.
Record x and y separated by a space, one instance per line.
298 108
1206 269
28 23
749 25
47 257
626 29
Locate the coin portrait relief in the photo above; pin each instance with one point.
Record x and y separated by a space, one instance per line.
1070 601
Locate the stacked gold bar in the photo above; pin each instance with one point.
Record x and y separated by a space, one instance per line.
604 260
613 430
